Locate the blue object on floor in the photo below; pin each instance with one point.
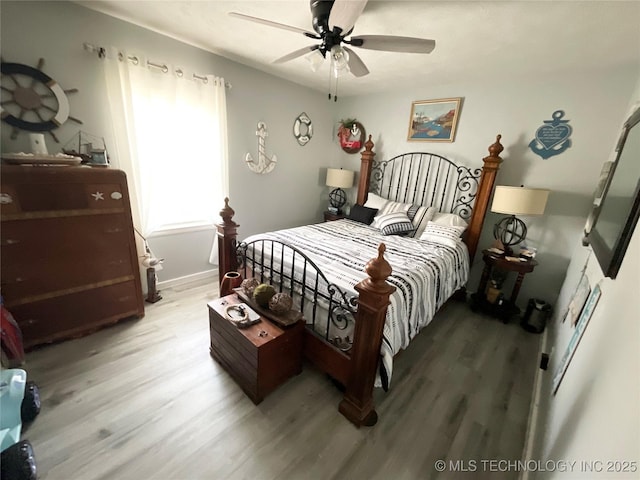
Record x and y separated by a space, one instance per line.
12 386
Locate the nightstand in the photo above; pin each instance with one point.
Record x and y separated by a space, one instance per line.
507 308
260 357
329 217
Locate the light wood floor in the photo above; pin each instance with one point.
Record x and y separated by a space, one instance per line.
144 400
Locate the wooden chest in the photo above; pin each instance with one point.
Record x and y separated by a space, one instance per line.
69 261
260 357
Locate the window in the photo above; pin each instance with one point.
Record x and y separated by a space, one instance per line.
177 146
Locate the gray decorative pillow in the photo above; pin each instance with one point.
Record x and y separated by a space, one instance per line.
395 223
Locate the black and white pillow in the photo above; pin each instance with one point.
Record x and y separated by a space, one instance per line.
390 207
420 217
395 223
442 234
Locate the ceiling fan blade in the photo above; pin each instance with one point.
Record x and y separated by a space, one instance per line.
388 43
344 13
272 24
356 65
296 54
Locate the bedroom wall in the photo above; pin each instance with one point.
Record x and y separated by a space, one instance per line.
593 101
595 414
293 194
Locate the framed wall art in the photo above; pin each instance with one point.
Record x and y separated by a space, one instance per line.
581 325
434 120
577 302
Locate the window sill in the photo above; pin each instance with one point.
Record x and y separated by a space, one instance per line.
163 232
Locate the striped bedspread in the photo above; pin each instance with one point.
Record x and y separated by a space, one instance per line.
425 274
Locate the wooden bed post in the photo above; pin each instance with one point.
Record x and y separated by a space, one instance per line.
357 404
485 188
366 164
227 232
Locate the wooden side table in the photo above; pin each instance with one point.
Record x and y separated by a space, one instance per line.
330 217
508 308
260 357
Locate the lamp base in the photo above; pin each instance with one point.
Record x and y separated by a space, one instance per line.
337 199
510 231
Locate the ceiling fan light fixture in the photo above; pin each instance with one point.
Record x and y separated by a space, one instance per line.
339 61
315 60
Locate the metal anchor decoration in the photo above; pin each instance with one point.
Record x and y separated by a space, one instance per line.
553 137
265 164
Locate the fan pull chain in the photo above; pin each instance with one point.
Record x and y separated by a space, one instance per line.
335 93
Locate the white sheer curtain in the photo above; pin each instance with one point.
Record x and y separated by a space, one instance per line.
170 131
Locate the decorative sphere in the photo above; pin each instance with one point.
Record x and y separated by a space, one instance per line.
337 198
263 293
249 285
510 231
280 303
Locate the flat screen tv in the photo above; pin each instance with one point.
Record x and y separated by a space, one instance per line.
614 220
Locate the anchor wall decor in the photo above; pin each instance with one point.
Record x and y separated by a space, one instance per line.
552 138
264 164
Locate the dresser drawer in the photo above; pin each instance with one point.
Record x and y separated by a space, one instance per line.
52 319
36 254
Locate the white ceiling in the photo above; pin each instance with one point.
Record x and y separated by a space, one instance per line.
475 40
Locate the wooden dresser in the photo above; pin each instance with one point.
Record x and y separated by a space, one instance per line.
69 262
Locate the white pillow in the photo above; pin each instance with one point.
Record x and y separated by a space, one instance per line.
449 219
443 234
375 201
395 223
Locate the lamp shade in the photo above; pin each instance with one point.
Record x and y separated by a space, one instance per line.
339 178
519 200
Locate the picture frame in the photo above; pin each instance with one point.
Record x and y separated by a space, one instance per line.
578 300
434 120
581 325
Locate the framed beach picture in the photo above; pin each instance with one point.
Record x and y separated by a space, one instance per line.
581 325
434 120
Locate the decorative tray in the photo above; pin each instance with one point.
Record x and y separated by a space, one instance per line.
282 319
39 159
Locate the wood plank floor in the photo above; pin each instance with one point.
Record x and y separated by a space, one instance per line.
144 400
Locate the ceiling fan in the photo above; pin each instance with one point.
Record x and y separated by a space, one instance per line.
333 22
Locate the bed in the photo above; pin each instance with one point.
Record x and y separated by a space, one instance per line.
364 294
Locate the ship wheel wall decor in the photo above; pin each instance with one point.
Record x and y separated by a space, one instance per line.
33 101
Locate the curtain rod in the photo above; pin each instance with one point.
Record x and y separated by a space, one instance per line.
102 52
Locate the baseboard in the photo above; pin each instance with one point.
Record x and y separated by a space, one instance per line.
532 427
195 277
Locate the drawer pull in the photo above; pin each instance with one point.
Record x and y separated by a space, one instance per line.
113 230
10 241
116 195
5 199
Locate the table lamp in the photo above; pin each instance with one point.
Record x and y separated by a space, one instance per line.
516 201
339 179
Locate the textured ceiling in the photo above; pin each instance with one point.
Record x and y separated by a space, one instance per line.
475 40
